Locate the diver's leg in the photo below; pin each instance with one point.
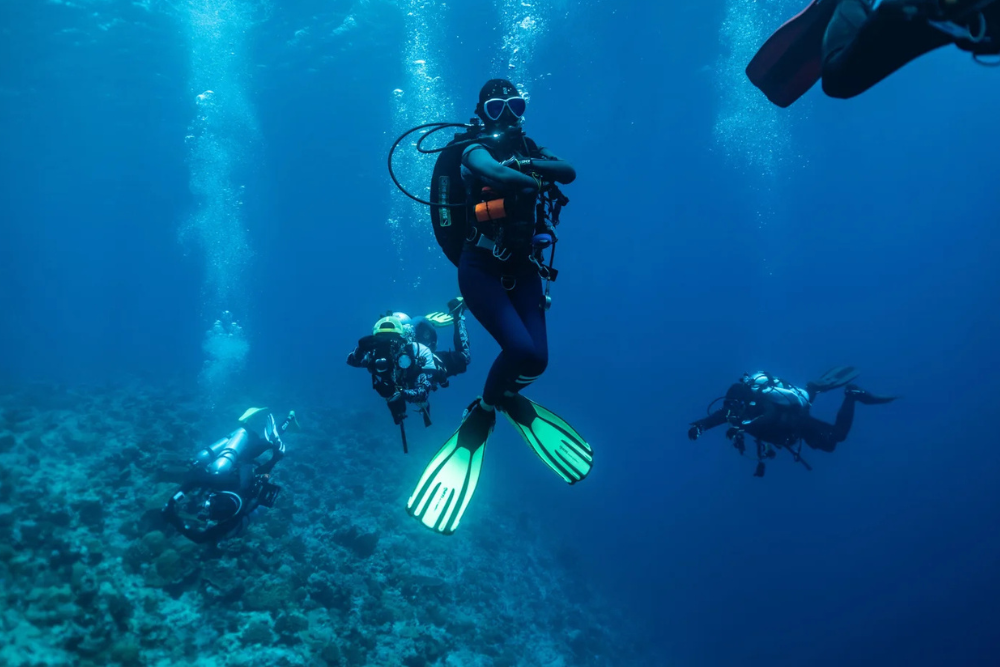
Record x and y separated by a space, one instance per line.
845 418
491 304
862 46
819 435
527 298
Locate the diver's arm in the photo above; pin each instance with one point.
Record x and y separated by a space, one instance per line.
479 161
359 359
460 339
550 168
420 390
277 453
717 418
362 355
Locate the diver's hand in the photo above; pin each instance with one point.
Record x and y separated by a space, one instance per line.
694 432
522 166
534 189
739 440
397 406
367 344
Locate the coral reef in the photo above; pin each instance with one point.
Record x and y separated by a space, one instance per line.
334 575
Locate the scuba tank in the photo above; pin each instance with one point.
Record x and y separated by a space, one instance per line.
448 201
780 392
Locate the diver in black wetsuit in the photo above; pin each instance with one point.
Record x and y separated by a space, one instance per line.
867 40
402 359
226 486
776 412
495 207
500 281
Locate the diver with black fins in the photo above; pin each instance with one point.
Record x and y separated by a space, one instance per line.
225 486
776 414
402 359
495 205
854 44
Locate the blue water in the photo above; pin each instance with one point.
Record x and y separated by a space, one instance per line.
708 234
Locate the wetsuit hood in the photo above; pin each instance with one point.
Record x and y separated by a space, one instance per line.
425 333
497 88
737 401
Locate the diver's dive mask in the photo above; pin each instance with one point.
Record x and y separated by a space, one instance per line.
223 506
493 108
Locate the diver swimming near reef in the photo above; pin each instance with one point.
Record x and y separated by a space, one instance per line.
854 44
225 486
775 412
495 205
405 365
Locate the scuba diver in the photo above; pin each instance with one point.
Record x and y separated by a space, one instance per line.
402 359
854 44
225 486
495 205
775 412
423 330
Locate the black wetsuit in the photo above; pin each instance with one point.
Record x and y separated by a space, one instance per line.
501 285
784 425
862 46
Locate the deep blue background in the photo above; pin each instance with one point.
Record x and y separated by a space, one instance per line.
880 252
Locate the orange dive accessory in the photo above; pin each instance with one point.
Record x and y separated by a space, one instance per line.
491 209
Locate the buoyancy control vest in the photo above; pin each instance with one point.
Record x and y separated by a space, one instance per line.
459 216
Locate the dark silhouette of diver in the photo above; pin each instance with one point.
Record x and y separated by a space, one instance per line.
854 44
225 485
867 40
775 412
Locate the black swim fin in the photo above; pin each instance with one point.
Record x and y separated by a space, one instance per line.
866 397
790 62
835 378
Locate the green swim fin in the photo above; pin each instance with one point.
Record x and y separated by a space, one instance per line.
250 413
557 443
449 480
835 378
